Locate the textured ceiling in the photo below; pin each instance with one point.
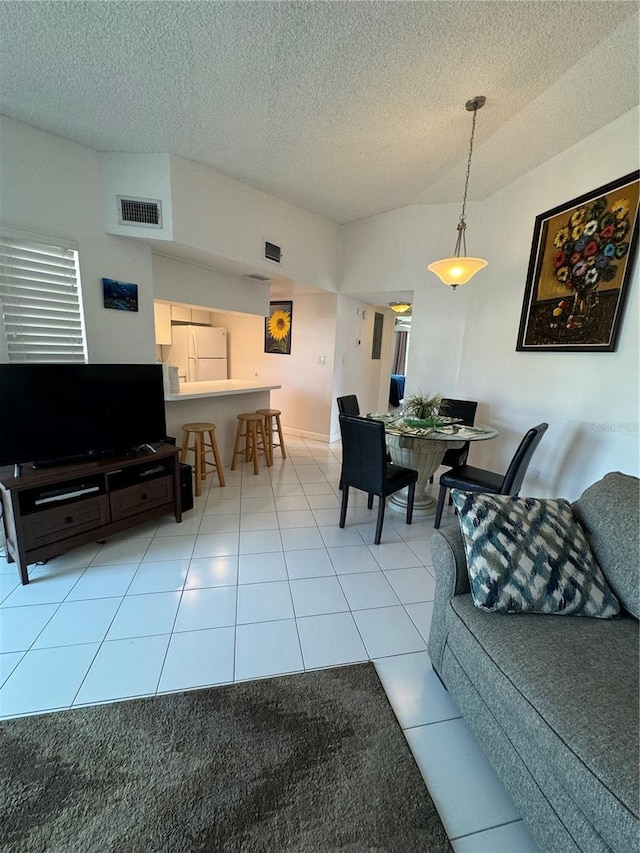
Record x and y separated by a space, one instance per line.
345 108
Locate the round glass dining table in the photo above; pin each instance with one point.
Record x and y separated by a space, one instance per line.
422 449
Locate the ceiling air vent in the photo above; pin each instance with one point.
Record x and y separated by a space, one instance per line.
139 211
263 279
273 252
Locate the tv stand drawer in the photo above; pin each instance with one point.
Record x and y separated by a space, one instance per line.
139 498
55 525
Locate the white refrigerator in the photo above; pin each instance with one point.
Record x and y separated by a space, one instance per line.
200 352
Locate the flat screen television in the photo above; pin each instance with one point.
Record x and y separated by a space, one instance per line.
57 413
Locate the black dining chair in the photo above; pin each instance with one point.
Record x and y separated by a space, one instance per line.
465 410
471 479
365 467
348 405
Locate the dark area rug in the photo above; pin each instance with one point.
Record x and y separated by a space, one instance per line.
309 762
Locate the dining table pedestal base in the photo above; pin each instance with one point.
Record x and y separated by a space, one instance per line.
424 456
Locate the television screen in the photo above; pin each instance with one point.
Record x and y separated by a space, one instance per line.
52 412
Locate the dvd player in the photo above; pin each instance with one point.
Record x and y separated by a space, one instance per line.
64 494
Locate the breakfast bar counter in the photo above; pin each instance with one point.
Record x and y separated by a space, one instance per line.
217 388
219 401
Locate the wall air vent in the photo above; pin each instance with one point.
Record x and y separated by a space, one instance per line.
273 252
139 211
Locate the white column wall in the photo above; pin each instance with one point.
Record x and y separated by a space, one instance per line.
355 371
384 364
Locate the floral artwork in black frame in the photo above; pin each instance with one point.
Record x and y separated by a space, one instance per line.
277 328
579 273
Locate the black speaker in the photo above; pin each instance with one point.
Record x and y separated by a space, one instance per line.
186 487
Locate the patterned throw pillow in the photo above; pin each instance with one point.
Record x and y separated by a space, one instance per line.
530 555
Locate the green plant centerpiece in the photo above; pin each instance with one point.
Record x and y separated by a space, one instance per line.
423 410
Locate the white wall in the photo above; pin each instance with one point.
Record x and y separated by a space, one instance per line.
463 342
324 325
52 187
206 212
355 371
590 400
391 251
232 220
144 176
305 398
182 281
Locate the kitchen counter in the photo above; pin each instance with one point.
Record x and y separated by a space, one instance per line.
217 388
218 401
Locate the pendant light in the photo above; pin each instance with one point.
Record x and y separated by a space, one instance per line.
400 307
460 268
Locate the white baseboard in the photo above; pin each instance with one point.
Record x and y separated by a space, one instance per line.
303 433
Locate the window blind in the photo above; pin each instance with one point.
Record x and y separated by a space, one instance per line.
40 301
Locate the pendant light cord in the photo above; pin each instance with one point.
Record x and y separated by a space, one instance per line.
461 242
466 182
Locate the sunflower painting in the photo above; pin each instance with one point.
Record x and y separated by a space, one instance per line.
277 328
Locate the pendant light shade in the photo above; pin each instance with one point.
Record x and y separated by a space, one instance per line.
399 307
460 268
455 271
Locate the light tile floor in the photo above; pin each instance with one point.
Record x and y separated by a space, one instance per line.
258 580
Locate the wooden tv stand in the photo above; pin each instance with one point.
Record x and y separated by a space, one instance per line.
49 511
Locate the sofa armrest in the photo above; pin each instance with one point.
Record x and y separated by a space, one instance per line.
450 561
452 578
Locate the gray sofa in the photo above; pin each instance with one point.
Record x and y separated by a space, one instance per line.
553 700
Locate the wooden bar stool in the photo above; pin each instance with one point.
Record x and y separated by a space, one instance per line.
251 439
272 424
200 449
